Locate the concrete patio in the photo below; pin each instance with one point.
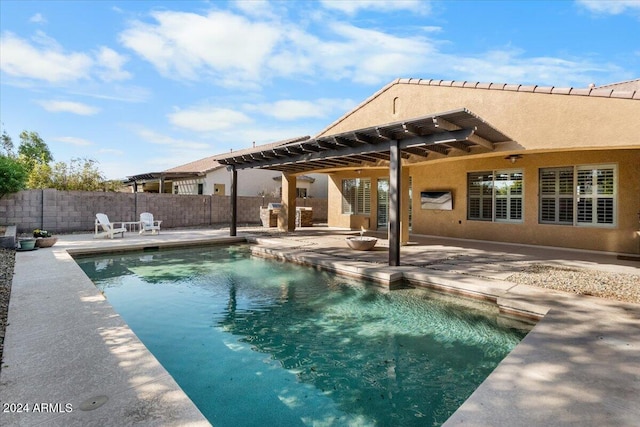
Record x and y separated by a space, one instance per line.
65 345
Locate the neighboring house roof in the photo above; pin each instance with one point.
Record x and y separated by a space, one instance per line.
625 90
298 178
202 166
210 163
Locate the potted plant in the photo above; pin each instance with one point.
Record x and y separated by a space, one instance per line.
26 243
44 239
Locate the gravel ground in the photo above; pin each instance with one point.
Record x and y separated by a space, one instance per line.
7 259
617 286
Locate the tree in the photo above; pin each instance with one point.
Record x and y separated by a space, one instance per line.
33 150
78 174
7 144
40 176
113 185
34 167
13 175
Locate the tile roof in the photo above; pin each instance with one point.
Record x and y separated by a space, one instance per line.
626 90
210 163
629 89
628 85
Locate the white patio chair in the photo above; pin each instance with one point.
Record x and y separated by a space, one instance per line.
109 229
147 223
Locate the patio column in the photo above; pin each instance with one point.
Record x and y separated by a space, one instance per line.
395 196
405 202
287 215
161 184
234 202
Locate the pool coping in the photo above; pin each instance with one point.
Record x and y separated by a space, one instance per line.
579 364
496 292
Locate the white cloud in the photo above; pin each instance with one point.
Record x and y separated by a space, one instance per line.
38 19
354 6
208 118
187 45
350 53
611 7
128 93
43 61
158 138
261 8
291 109
69 107
248 51
364 55
431 29
111 63
81 142
511 66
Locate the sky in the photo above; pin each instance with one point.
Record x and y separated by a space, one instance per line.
144 86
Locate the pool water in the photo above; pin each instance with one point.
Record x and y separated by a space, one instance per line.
259 342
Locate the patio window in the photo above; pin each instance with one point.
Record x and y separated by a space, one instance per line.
580 195
495 196
356 196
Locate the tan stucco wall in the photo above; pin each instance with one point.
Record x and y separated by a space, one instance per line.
452 176
548 130
336 218
535 121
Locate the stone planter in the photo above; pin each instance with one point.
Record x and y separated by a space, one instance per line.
8 236
45 242
361 243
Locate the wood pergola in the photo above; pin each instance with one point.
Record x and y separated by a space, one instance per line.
161 177
438 135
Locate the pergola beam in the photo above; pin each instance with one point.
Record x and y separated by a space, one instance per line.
444 124
425 141
383 146
478 140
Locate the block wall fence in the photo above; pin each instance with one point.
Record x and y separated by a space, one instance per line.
75 211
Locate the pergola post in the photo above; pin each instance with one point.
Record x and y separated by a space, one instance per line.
395 198
234 202
287 215
406 202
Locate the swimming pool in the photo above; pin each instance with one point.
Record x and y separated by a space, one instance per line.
258 342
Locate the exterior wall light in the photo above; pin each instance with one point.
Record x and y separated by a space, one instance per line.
513 157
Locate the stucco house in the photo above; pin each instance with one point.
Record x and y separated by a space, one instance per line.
549 166
207 176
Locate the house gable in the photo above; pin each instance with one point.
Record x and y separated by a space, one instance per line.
536 118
